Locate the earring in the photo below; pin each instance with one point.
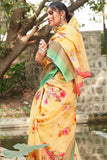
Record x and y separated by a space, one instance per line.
61 21
52 30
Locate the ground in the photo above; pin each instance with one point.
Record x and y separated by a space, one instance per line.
17 106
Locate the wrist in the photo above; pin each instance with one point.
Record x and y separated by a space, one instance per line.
39 60
40 63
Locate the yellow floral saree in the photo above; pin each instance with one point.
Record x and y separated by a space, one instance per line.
53 112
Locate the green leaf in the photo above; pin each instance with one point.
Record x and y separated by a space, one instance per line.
23 148
0 111
25 108
9 109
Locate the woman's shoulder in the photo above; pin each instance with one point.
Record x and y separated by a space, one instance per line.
73 25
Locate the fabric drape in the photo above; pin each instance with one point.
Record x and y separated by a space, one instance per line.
53 112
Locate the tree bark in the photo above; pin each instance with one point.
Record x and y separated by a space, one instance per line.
15 24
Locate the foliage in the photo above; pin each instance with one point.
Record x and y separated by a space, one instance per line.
97 6
8 6
0 112
6 11
26 108
14 77
4 48
22 150
103 50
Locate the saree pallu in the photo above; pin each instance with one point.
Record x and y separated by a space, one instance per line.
53 112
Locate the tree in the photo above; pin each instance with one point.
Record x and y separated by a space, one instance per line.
17 23
99 6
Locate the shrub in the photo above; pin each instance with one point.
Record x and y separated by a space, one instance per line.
14 77
103 50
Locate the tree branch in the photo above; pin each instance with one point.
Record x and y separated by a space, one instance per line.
26 26
31 22
42 18
40 7
76 5
26 38
42 33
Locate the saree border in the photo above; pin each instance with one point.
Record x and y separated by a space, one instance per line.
60 64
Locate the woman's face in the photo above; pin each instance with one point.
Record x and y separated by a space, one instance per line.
53 17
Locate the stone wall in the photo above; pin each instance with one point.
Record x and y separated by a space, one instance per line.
92 142
93 99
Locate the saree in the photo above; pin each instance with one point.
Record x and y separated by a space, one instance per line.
53 112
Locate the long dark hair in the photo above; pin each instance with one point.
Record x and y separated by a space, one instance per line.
60 6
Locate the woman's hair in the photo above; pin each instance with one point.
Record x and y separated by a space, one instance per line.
60 6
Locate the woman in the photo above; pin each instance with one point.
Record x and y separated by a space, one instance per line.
53 117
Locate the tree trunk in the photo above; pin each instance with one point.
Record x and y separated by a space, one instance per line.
32 71
6 61
105 40
105 30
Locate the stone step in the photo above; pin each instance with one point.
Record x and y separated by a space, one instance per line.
14 122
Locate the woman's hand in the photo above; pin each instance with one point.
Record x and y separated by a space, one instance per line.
41 53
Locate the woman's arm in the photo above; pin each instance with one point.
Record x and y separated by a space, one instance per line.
41 53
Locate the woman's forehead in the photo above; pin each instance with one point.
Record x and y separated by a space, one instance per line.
50 9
